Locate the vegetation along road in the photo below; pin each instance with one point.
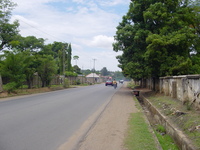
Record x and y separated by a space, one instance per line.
46 121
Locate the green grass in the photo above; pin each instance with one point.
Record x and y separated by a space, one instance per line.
131 85
165 140
185 122
139 136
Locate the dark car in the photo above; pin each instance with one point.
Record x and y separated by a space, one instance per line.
109 82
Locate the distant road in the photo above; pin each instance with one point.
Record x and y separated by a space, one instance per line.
45 121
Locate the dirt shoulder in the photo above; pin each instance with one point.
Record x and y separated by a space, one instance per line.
109 131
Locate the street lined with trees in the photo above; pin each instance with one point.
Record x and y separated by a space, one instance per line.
23 57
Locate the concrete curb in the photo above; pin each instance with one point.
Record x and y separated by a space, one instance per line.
181 140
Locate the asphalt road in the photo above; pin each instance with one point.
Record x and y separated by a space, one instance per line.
46 121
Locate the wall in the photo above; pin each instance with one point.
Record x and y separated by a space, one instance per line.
155 117
57 80
184 88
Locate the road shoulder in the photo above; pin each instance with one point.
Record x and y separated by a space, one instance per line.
109 131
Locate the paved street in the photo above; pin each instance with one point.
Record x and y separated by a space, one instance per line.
46 121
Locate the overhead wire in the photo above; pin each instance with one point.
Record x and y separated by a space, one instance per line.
99 63
39 30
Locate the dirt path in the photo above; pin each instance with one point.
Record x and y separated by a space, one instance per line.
109 131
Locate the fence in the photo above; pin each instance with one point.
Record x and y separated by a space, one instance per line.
184 88
57 80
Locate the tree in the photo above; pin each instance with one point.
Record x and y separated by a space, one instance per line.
69 57
131 39
156 38
30 67
76 58
104 71
171 38
46 69
7 30
77 69
59 52
12 67
29 43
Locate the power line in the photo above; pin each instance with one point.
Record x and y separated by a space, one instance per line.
39 29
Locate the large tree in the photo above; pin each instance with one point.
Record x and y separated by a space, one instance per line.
29 43
104 71
8 30
170 41
69 57
156 38
12 67
46 69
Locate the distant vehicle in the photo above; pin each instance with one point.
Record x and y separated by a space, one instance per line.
121 81
109 82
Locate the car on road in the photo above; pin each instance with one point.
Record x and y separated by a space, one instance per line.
121 81
109 82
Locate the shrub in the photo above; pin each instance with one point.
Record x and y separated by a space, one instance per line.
10 87
66 83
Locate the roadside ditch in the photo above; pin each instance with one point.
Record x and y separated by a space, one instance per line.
180 121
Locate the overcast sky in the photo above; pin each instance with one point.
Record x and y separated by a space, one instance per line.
89 25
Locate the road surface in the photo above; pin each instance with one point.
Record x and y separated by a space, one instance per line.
46 121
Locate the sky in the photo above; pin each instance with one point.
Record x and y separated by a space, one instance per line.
89 25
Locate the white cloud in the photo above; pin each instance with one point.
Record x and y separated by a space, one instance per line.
113 2
87 24
102 41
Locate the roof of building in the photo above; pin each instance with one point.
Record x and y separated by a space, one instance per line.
92 75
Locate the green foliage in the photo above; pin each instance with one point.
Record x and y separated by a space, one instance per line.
139 136
104 71
158 39
10 87
46 69
69 57
164 139
66 83
76 82
131 85
29 43
7 30
70 74
161 129
76 69
12 67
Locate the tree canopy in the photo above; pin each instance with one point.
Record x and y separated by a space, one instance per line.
23 57
7 30
158 38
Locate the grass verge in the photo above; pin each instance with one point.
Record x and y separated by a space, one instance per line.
139 136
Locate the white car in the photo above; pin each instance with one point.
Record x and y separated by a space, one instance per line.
121 81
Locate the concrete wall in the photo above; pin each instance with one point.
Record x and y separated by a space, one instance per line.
155 117
184 88
150 83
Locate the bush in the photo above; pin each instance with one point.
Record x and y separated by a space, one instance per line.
78 82
66 83
10 87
